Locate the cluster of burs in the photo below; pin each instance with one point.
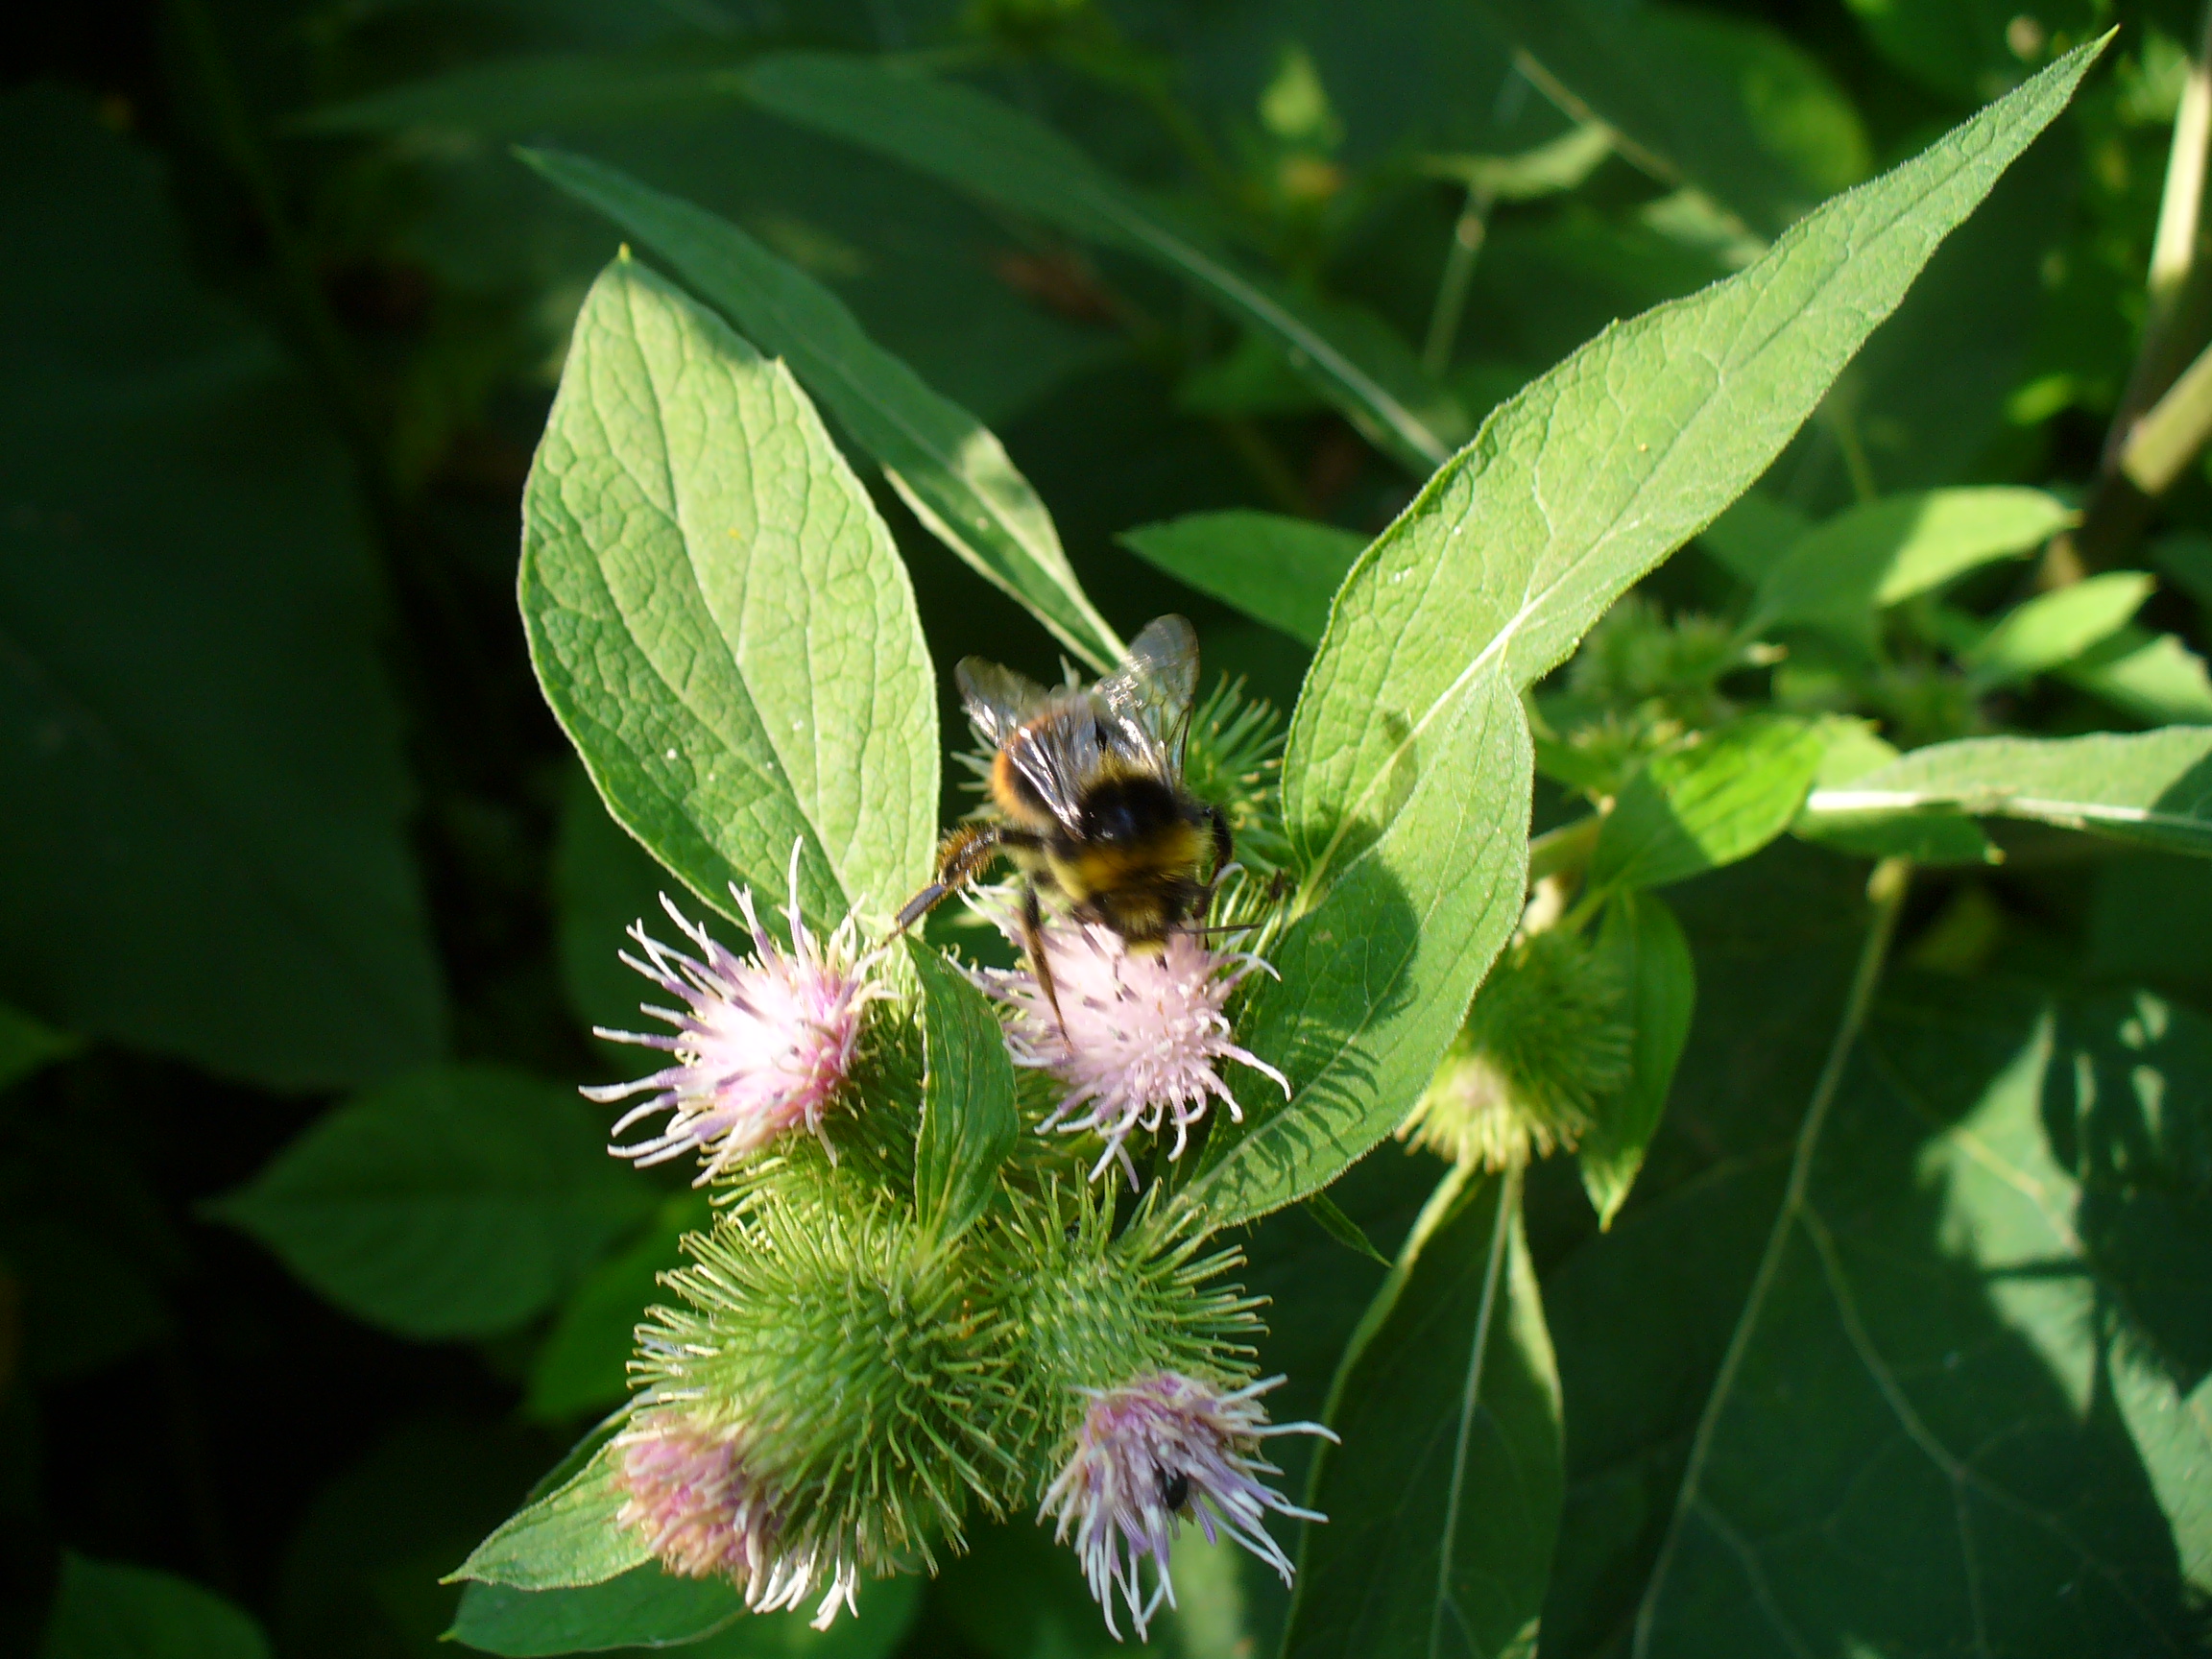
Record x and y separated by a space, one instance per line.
948 1275
909 1314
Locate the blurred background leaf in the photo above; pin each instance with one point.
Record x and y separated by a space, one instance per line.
205 765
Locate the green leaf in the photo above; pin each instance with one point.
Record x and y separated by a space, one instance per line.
968 1120
1699 100
1279 569
26 1045
2052 629
1696 808
1885 551
2153 677
1966 1367
1340 1227
1407 776
107 1611
458 1201
515 96
643 1607
2152 787
1640 937
720 618
648 1608
566 1539
1443 1500
583 1365
945 463
202 765
1001 156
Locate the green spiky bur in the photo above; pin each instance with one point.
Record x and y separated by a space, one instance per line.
1639 683
1546 1039
883 1384
1233 759
1089 1311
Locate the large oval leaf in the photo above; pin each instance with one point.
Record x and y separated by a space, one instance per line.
718 617
1443 1502
1408 774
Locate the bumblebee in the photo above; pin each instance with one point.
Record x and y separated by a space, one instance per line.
1087 782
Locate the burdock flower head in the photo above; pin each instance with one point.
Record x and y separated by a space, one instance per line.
1152 1453
760 1044
1139 1036
704 1515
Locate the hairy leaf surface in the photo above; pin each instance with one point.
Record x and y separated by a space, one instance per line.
1408 768
947 466
720 618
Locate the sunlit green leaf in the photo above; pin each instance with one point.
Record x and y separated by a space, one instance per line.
1280 569
2052 629
1966 1365
948 466
207 841
2153 788
566 1539
1838 575
968 1120
1408 774
106 1611
720 619
1443 1500
454 1202
1699 807
1640 938
2153 677
1000 155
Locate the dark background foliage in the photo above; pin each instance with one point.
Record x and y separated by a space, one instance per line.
287 820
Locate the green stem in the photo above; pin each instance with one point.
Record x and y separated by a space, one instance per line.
1885 888
1467 238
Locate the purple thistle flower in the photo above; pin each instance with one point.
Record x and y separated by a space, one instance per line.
760 1046
1152 1453
1143 1038
704 1516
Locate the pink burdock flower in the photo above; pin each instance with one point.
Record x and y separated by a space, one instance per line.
703 1515
761 1044
1152 1452
1143 1033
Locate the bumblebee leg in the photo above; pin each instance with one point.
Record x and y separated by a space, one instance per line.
959 856
1033 943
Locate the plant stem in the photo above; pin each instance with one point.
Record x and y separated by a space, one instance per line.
1467 238
1885 888
2179 318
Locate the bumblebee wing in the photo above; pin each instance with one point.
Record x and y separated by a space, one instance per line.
998 701
1057 752
1147 700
